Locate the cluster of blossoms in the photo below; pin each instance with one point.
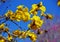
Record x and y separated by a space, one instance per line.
15 34
22 13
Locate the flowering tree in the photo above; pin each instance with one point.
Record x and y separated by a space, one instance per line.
23 13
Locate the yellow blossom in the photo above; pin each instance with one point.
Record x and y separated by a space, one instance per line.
20 7
9 13
35 17
58 3
26 16
50 16
36 22
6 29
2 40
39 23
34 6
23 35
17 32
18 17
42 8
32 36
12 17
33 12
25 9
9 37
2 26
34 9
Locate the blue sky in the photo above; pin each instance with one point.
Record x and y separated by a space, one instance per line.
51 7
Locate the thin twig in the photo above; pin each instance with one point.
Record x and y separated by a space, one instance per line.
16 24
2 17
4 21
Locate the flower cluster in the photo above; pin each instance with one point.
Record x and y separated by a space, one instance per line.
36 7
36 23
23 13
15 34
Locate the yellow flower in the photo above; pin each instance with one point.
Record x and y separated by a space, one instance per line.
6 29
42 8
9 13
17 32
26 16
19 12
32 26
39 23
12 17
22 14
34 9
20 7
50 16
18 17
58 3
33 12
36 23
35 17
25 9
32 36
9 37
2 40
23 35
34 6
2 26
